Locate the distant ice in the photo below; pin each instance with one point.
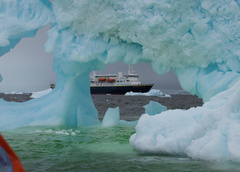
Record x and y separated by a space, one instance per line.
152 92
13 92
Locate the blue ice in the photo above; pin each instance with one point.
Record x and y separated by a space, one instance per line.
154 108
111 117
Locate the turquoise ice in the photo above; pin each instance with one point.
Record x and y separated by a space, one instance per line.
111 117
154 108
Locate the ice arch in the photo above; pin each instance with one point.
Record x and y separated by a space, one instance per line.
198 39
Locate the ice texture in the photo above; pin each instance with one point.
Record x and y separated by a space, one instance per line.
22 19
111 117
199 40
210 132
154 108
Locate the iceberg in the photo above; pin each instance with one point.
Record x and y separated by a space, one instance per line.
199 40
209 132
154 108
152 92
111 117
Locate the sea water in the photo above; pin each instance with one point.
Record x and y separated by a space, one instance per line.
95 149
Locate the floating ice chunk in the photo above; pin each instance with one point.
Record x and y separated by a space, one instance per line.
62 133
154 108
152 92
59 132
38 131
210 132
40 93
49 131
111 117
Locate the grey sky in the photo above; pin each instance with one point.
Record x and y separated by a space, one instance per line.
28 68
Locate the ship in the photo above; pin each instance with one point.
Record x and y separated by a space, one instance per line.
119 83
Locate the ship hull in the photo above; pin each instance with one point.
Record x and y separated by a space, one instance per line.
120 89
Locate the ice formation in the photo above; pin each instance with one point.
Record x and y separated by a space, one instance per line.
22 19
210 132
39 94
154 108
152 92
198 39
111 117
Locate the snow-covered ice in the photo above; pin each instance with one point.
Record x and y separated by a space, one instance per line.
210 132
199 40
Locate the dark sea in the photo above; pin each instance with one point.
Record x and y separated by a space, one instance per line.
98 149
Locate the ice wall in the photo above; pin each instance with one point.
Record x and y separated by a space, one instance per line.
70 103
198 39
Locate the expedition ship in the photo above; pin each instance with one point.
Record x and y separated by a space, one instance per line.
117 83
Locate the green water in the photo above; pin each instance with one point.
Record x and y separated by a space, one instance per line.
95 149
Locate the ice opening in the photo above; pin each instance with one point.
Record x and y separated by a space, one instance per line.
132 104
199 40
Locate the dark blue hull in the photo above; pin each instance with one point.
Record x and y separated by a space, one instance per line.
120 89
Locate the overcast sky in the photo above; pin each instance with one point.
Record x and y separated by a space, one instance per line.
28 68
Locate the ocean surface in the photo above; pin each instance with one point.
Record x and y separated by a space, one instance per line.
96 148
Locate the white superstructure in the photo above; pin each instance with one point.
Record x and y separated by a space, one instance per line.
115 79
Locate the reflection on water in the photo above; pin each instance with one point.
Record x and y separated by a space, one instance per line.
95 149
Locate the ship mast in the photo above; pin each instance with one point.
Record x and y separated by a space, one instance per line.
130 70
